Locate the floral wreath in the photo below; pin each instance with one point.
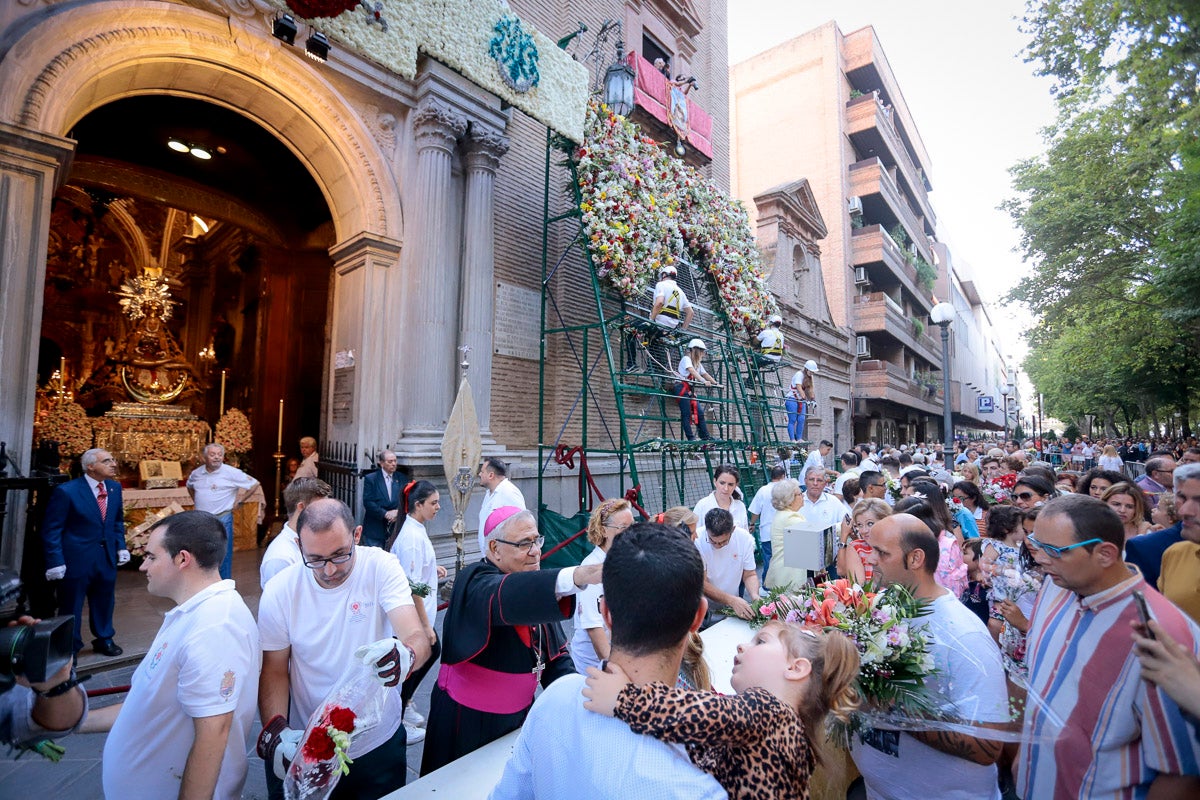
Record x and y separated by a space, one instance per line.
233 432
515 53
643 209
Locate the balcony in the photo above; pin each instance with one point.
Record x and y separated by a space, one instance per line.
877 314
873 248
883 380
652 95
882 200
872 129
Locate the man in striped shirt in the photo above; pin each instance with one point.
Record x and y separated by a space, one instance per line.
1120 736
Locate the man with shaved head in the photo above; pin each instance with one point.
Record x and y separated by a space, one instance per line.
969 678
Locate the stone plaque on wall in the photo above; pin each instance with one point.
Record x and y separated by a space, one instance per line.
343 395
518 322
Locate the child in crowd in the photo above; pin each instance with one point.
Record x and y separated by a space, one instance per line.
975 596
762 741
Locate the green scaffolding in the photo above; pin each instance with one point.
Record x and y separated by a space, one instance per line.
628 410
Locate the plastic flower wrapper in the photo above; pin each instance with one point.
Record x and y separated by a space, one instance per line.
356 702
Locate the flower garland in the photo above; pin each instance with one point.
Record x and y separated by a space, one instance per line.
68 424
643 208
233 431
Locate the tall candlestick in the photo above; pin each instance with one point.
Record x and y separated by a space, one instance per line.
279 439
62 371
221 413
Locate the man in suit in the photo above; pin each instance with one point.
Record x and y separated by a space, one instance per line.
84 540
381 499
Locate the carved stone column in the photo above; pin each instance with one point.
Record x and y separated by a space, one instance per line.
484 150
433 280
32 163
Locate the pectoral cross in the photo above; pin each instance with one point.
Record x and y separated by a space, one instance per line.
540 666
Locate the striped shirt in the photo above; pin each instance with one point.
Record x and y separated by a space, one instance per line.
1101 731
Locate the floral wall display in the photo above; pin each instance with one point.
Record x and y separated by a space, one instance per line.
643 208
460 34
233 431
68 424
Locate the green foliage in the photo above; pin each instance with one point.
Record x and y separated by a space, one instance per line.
918 326
1071 432
855 93
1110 213
1018 433
899 236
926 274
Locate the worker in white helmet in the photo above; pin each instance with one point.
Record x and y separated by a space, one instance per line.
671 310
691 371
770 341
799 396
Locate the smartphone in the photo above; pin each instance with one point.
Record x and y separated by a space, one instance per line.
1139 600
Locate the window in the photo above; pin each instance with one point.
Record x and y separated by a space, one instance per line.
652 50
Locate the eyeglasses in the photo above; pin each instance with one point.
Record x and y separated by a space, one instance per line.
319 563
527 545
1024 496
1056 552
617 528
720 544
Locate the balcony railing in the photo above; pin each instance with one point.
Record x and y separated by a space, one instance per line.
878 313
871 244
883 380
651 93
870 177
866 113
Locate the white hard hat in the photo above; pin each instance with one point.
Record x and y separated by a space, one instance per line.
694 343
776 319
811 366
668 270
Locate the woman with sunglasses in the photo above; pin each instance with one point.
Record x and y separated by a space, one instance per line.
589 644
970 497
1129 501
851 557
1032 491
419 503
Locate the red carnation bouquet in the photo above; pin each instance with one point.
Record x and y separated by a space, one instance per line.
354 706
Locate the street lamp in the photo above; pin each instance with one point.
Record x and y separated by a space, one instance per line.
618 82
1005 391
942 315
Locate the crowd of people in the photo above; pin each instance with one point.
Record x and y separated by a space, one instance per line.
1068 595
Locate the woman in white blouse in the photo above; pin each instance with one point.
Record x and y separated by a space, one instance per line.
589 644
726 495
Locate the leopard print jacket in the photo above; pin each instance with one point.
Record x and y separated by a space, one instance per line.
752 743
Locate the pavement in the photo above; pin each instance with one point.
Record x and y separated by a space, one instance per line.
137 619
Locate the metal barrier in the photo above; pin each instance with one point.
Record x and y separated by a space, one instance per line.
1134 470
339 468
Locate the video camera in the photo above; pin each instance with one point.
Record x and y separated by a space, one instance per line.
34 652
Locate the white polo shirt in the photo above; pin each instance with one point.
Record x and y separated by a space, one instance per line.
707 503
282 552
324 627
216 491
506 493
587 616
418 560
827 510
725 565
761 505
204 661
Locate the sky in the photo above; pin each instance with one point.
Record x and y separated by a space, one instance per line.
977 105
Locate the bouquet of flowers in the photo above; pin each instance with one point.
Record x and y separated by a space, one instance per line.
419 589
68 424
233 431
353 707
1000 490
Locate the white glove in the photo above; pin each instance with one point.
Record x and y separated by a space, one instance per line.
391 659
285 752
56 573
122 557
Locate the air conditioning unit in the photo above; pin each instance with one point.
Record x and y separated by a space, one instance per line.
860 276
862 346
855 204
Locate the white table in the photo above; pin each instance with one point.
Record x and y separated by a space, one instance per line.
473 776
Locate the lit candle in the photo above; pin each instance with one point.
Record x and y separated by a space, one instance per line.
221 413
62 370
279 438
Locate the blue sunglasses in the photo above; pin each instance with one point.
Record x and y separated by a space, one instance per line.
1057 552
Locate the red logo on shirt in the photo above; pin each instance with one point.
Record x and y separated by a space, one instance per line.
356 612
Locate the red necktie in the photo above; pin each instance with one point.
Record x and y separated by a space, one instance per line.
102 501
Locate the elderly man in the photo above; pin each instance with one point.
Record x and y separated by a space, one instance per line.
1180 578
820 507
502 637
214 488
284 549
1157 478
498 491
308 451
566 751
83 537
183 727
343 604
381 499
969 682
1099 730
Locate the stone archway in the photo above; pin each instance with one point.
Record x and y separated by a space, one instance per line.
69 61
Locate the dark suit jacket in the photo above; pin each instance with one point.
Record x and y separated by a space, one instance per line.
73 533
376 503
1146 551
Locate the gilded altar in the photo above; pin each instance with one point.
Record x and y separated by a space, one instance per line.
136 432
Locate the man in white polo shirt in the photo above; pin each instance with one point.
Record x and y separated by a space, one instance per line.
498 492
284 549
728 554
183 730
344 603
214 488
